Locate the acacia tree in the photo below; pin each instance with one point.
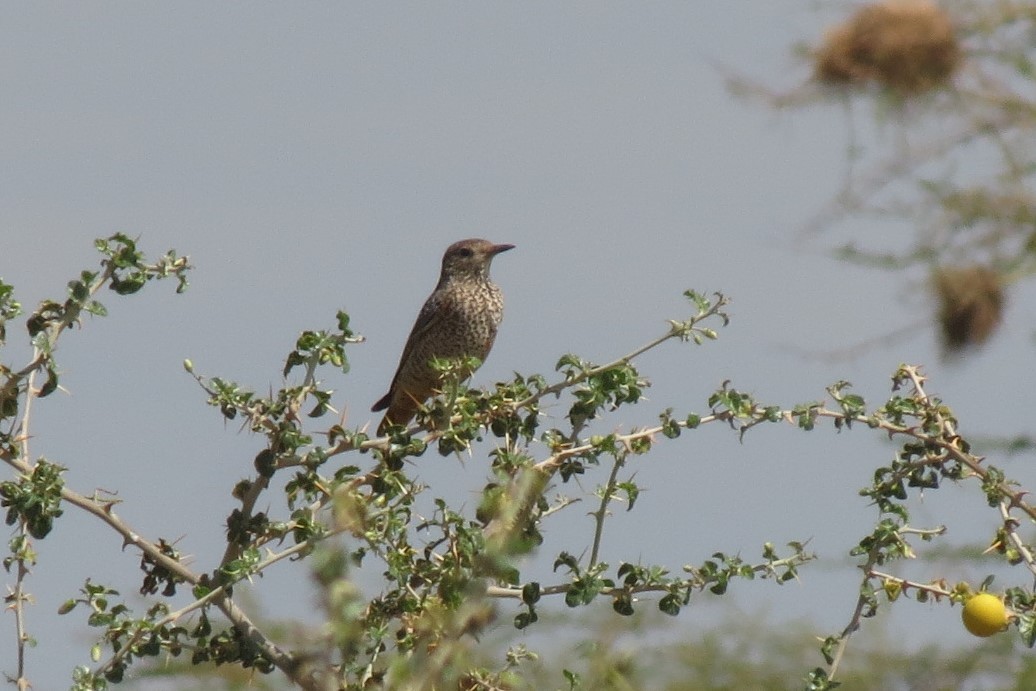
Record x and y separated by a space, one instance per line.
349 498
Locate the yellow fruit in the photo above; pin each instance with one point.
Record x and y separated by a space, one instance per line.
984 614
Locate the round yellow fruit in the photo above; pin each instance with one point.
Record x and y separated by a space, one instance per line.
984 614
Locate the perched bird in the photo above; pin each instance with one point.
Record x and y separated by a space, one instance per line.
459 319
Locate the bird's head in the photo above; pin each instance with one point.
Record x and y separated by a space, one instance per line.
470 258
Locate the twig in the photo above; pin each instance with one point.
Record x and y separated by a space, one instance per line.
19 596
17 599
563 502
553 461
1011 530
105 513
927 587
516 593
678 330
854 621
602 511
209 598
282 659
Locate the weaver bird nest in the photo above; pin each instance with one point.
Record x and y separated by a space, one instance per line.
971 302
907 46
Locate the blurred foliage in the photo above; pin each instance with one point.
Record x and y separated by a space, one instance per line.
939 178
733 651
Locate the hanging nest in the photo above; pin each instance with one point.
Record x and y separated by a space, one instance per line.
906 46
971 302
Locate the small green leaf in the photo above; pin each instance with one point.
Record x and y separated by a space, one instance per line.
623 604
51 385
531 593
670 604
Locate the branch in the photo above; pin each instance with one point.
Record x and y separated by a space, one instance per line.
680 330
282 659
214 596
602 511
771 567
936 590
1011 530
862 602
17 599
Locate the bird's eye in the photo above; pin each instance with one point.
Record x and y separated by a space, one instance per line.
465 252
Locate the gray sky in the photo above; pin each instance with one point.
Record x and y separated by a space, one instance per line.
318 157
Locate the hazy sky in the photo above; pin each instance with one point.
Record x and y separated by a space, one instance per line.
318 157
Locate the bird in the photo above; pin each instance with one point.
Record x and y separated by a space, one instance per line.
458 320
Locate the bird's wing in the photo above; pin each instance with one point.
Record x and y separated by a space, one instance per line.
435 308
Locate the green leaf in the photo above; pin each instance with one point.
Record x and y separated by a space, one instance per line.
51 385
97 309
623 604
573 362
669 604
1027 629
632 492
524 619
817 680
343 323
567 560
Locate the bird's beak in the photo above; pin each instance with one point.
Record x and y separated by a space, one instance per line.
497 249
